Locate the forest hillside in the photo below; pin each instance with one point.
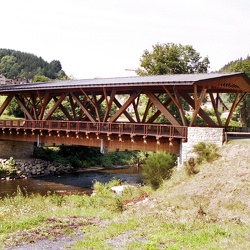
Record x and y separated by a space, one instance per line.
17 64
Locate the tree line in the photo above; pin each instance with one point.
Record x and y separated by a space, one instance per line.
16 64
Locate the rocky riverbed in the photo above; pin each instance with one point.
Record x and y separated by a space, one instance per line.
24 168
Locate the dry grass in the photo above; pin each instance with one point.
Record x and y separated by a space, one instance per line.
221 189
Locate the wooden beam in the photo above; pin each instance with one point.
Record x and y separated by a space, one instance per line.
93 101
23 107
146 111
170 95
64 110
215 106
44 102
117 103
135 106
83 108
179 105
6 103
123 108
197 103
237 100
161 107
96 106
201 112
56 105
108 102
72 104
158 112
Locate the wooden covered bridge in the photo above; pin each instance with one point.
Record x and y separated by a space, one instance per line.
126 113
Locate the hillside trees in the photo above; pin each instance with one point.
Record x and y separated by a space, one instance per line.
15 64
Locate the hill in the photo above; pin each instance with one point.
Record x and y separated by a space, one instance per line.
17 64
219 192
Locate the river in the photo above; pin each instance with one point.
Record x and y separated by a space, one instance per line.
76 183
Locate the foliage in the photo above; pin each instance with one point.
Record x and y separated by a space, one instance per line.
15 64
170 58
84 156
243 110
14 109
9 169
206 152
41 78
158 167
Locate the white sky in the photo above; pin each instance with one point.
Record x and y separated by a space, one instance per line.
102 38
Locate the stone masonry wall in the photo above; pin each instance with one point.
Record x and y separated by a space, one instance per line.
200 134
16 149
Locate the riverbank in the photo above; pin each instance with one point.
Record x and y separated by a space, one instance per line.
209 210
12 169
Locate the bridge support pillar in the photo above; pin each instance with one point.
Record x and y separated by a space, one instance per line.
16 149
200 134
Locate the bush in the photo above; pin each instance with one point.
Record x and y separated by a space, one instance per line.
191 167
206 152
158 167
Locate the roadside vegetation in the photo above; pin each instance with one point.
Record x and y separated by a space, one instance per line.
207 210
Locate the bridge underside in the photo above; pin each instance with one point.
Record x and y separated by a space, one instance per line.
111 144
149 102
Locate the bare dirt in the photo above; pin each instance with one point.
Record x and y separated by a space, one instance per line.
219 192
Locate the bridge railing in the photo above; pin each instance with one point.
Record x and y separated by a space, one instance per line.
120 128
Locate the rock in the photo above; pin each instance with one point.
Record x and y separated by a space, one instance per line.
119 189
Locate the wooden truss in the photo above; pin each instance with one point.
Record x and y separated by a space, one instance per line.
165 104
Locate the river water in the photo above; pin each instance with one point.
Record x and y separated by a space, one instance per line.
76 183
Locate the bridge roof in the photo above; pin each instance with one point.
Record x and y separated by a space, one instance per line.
227 81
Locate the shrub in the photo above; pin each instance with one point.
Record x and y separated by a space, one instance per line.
158 167
191 167
206 152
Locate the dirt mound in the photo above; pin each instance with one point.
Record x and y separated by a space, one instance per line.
219 192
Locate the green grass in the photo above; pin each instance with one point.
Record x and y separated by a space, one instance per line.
106 227
155 233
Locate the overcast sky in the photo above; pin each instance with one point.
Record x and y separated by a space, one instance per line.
103 38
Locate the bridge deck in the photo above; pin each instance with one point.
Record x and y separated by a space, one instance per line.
118 128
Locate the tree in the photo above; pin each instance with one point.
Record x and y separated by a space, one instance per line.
241 65
15 64
41 78
158 167
9 66
172 58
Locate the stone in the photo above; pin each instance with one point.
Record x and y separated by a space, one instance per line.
119 189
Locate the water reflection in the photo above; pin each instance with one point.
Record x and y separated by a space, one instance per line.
77 183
